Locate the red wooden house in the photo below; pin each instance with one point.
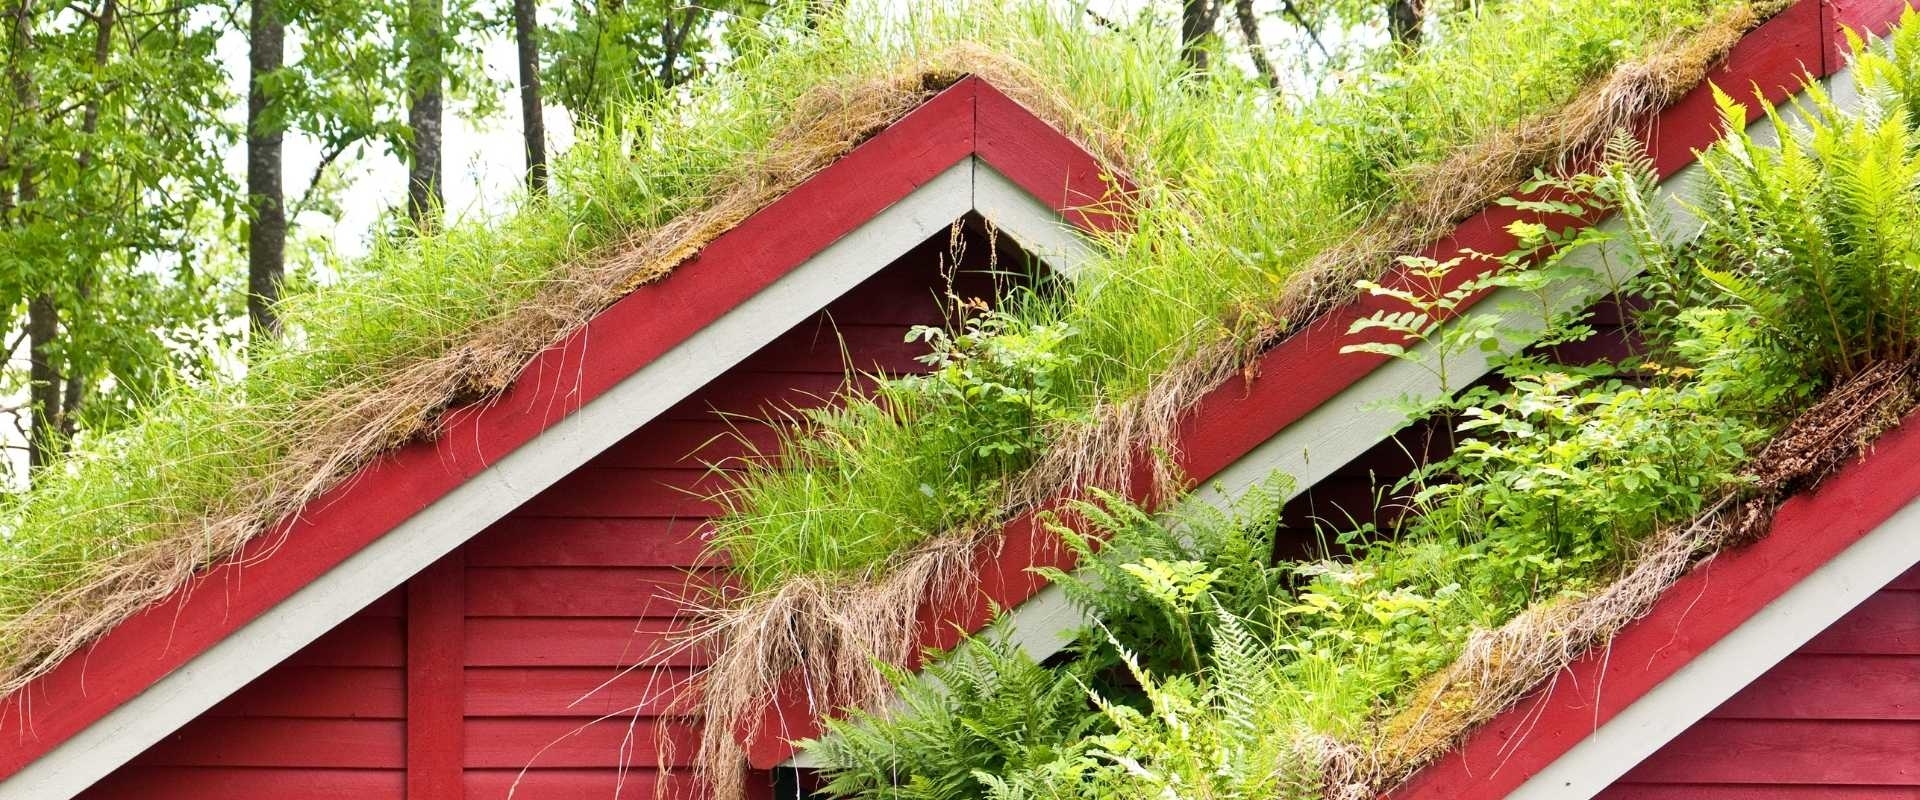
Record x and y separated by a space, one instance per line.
495 610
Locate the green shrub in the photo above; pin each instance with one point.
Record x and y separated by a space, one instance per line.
1242 679
1815 239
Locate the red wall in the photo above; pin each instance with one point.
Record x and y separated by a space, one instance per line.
1837 720
571 607
327 724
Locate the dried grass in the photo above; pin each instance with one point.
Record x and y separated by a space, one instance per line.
830 632
827 624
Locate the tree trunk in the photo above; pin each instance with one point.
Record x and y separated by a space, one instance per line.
1250 30
75 389
533 123
267 233
1404 19
44 390
1197 21
426 76
673 39
26 98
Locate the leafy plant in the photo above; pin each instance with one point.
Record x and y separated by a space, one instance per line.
1141 576
1007 380
1239 194
1816 236
1428 305
984 710
1558 474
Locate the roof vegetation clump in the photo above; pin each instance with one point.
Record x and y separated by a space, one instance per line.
1778 345
1242 194
1241 201
1253 215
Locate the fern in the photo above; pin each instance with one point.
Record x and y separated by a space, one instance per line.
1814 239
987 709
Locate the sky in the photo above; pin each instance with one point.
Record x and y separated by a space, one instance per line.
484 159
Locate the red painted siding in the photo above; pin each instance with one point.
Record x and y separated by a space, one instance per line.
327 724
576 602
543 657
1840 718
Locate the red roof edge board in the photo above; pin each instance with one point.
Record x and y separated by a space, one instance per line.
971 119
1307 369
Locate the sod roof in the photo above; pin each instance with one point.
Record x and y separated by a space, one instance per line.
1234 245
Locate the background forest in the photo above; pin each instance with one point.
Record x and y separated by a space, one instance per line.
169 170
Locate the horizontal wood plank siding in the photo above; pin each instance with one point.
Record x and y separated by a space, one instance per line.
1838 719
207 783
329 723
577 666
568 617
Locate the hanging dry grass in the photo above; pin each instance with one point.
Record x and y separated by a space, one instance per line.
1498 668
332 436
831 632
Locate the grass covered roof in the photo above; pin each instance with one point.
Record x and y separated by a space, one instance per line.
1255 212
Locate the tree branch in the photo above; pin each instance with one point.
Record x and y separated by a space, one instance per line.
1100 20
672 40
1301 20
319 171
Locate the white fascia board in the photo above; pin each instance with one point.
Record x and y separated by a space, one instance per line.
1374 408
1037 228
1344 427
389 561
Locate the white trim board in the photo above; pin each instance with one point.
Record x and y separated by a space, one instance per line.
1346 426
1367 412
1742 656
256 647
1035 227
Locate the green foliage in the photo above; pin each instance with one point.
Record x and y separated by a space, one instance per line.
611 55
114 202
996 387
1425 314
1239 671
1564 473
1238 194
1816 236
985 710
1557 475
1141 577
